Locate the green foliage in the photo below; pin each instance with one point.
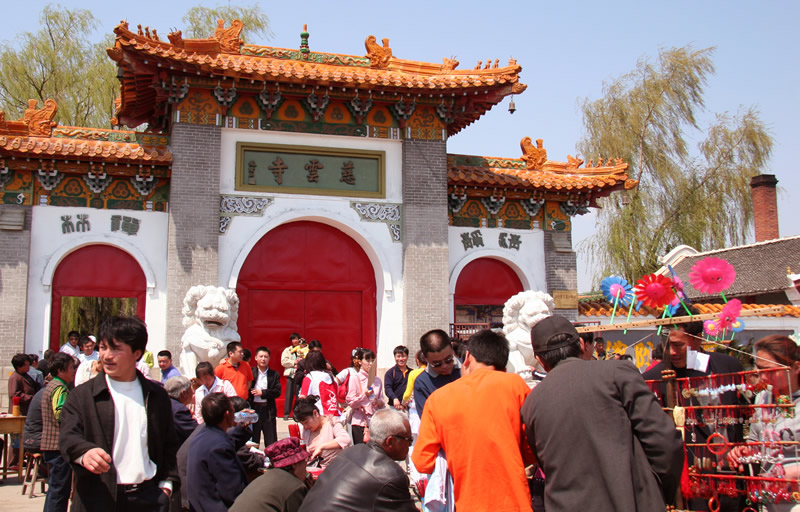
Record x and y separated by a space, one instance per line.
696 197
202 21
85 314
60 62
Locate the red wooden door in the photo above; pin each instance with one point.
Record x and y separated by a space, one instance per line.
312 279
96 271
486 281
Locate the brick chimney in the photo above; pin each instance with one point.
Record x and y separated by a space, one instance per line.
765 206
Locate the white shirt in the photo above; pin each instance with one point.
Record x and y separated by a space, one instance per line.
93 357
219 386
130 454
67 348
262 383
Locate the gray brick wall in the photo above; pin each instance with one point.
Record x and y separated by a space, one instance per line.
14 256
561 270
425 253
193 249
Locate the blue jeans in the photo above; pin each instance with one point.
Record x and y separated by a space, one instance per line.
60 483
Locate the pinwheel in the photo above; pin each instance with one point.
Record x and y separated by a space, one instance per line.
737 325
711 327
729 314
618 290
712 275
654 290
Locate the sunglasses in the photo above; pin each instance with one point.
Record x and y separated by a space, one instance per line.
409 439
447 361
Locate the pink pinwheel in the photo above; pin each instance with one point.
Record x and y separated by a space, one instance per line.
729 314
712 275
711 327
654 290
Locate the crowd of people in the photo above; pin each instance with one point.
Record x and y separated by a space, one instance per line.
457 430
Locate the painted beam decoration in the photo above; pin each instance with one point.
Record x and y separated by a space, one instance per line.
310 170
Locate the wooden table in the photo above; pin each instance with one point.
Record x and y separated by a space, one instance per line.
11 425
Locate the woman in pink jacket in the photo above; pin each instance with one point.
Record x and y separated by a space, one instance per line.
364 398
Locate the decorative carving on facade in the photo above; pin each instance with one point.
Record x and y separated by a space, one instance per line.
48 175
493 204
225 97
534 156
6 175
269 101
316 105
97 178
456 202
224 223
573 208
447 110
379 56
403 109
243 205
144 184
359 108
532 205
40 121
229 41
388 213
175 92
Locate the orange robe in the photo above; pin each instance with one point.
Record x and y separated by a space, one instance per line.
476 421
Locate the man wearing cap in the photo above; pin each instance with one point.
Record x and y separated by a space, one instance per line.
477 415
599 434
281 488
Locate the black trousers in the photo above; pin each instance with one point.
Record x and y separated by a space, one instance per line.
147 497
291 393
358 434
265 425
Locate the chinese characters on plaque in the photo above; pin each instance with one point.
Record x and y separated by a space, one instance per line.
123 223
474 239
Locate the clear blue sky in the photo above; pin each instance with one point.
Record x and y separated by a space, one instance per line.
566 49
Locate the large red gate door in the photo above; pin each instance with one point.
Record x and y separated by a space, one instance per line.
486 281
309 278
96 271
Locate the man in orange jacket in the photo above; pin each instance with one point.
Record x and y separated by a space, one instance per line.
475 420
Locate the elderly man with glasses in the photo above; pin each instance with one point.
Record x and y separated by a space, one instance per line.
441 369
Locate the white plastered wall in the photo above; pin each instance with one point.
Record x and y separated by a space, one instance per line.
527 261
50 245
373 237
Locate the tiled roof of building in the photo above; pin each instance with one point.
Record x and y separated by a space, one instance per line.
534 172
760 267
225 55
604 309
36 135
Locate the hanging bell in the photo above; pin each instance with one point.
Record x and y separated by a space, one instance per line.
512 107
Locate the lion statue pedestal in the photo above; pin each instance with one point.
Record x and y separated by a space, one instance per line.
520 313
209 315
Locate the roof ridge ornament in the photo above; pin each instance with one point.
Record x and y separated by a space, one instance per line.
379 56
534 156
40 122
229 40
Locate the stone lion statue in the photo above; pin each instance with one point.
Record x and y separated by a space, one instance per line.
209 315
520 313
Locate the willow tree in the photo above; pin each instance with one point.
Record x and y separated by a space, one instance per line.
695 195
61 62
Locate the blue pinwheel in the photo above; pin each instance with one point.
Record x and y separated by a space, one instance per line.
618 290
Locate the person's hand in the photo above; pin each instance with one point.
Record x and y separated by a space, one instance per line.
255 392
397 404
370 391
735 454
96 460
167 492
316 452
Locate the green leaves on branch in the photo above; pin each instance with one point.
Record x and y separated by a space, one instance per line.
694 196
201 21
60 62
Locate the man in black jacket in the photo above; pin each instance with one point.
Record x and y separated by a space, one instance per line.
264 389
365 476
127 464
